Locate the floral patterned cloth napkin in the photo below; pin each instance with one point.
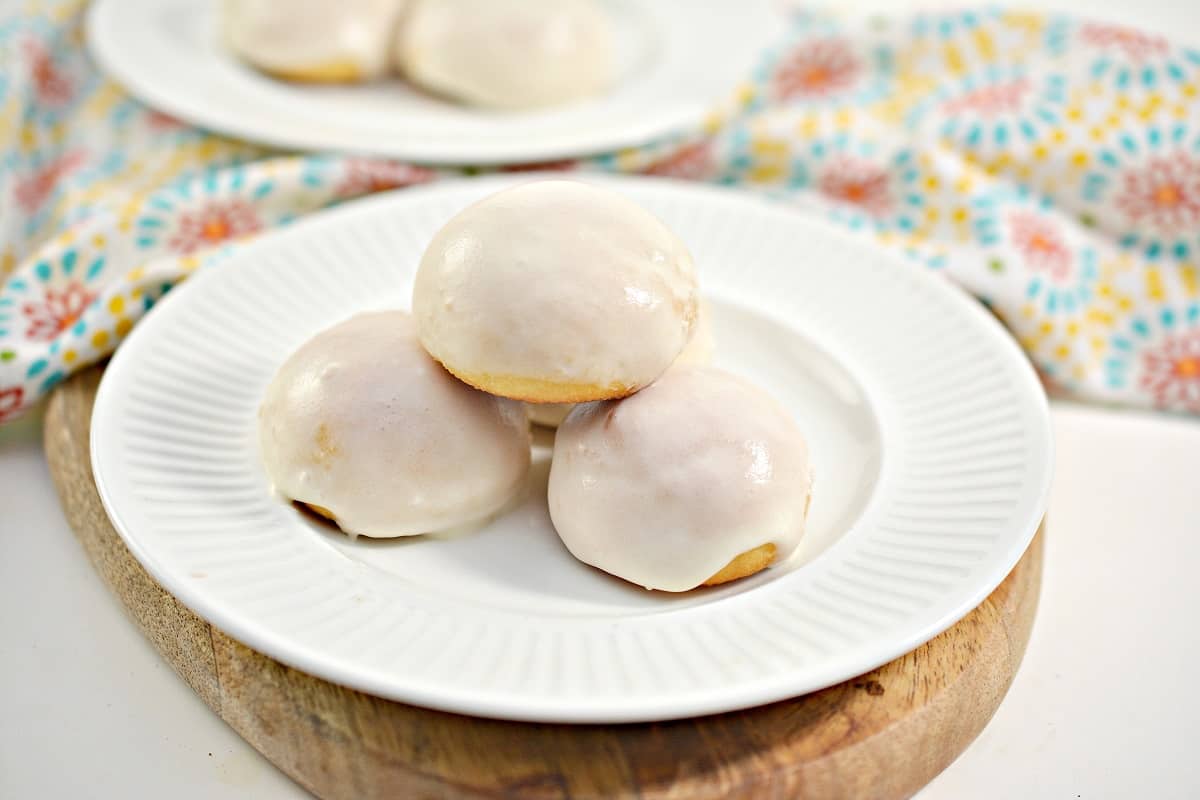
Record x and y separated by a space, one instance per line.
1048 165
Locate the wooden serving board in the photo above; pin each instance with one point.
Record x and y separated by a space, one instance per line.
882 735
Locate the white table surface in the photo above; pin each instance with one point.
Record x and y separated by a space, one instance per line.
1104 706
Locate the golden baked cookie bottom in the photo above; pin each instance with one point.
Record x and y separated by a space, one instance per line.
537 390
320 511
328 72
745 565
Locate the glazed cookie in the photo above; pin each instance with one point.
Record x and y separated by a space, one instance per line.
507 54
313 41
555 292
363 427
699 479
698 350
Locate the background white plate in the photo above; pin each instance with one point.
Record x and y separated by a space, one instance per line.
928 429
677 60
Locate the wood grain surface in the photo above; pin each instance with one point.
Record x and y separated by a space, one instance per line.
882 735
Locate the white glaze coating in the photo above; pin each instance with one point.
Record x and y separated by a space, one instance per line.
699 347
300 35
361 421
667 486
698 350
556 281
507 54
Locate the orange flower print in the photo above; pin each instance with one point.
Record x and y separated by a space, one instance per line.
32 191
160 122
693 162
991 100
1171 372
1135 44
365 175
1040 243
56 311
10 402
215 222
1165 192
859 183
816 69
52 86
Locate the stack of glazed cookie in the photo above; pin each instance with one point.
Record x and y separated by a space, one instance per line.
504 54
559 302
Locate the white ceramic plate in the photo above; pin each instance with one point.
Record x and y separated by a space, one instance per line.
168 53
928 429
